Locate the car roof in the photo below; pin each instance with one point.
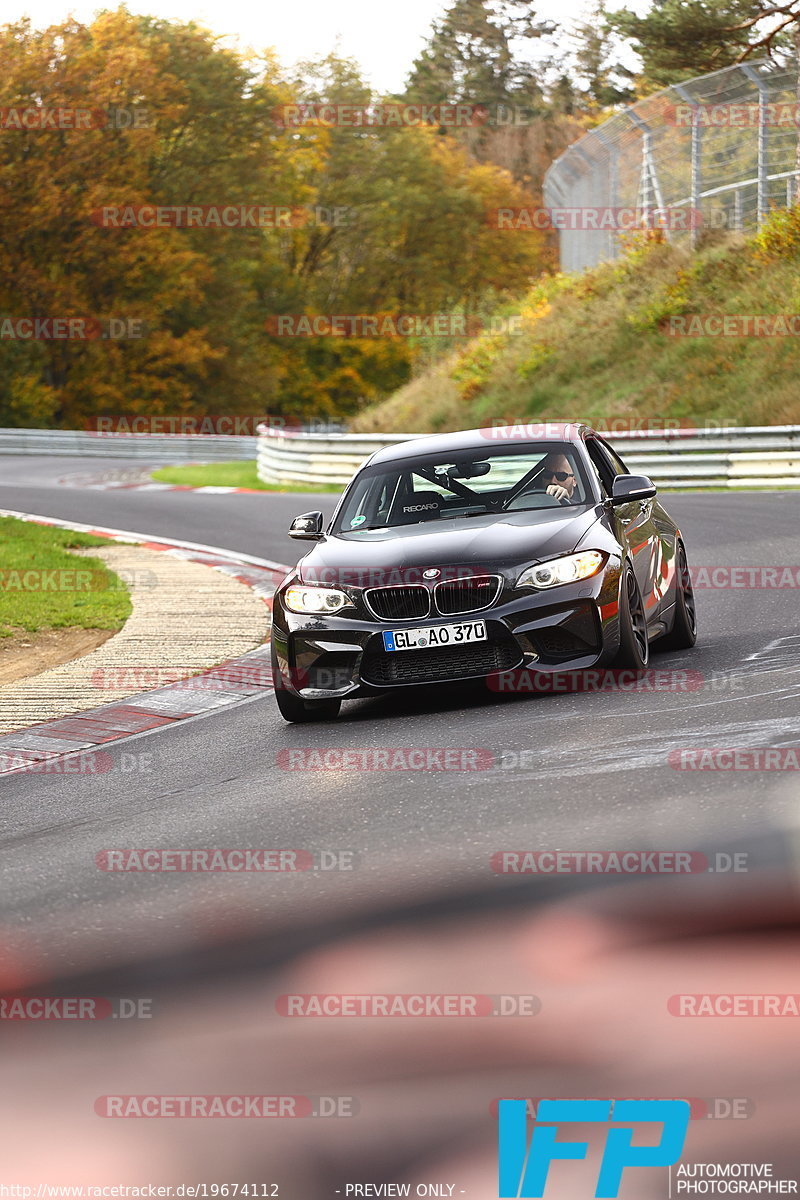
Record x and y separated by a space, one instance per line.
488 439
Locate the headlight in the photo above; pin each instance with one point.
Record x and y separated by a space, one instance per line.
562 570
315 599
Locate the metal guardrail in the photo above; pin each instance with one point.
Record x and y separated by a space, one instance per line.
151 447
716 152
318 458
765 457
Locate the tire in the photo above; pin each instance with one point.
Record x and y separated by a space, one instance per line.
634 647
296 709
683 634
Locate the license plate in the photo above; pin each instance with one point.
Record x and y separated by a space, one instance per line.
434 635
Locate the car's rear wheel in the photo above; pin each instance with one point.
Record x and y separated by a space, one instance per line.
683 634
634 647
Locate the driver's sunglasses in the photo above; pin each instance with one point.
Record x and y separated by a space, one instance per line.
559 475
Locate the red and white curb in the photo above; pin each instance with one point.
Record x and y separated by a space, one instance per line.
41 748
140 481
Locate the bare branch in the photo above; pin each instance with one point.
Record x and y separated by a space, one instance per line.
767 39
791 10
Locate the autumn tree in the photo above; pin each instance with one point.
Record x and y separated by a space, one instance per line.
385 219
473 56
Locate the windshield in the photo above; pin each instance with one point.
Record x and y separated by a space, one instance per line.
542 475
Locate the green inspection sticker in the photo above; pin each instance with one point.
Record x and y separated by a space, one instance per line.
357 521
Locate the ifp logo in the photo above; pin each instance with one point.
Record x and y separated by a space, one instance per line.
523 1168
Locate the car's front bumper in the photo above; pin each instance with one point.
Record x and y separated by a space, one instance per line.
573 627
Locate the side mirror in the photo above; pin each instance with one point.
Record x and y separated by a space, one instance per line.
628 488
307 528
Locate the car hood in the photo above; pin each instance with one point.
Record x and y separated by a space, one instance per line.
497 544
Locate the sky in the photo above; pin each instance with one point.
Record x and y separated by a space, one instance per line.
383 40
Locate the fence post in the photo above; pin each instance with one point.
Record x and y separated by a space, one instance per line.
613 184
649 185
763 94
697 131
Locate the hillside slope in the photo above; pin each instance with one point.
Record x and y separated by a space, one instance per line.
596 347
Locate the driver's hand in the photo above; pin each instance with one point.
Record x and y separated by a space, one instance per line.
555 489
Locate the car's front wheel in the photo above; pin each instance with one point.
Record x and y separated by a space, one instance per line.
634 647
294 708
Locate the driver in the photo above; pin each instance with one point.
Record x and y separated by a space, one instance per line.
558 477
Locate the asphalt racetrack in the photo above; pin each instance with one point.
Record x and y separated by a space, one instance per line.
572 771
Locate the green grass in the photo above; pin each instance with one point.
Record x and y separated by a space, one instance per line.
30 600
233 474
594 346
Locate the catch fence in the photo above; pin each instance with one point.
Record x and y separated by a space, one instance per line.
716 152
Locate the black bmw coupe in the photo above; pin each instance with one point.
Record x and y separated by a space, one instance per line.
459 556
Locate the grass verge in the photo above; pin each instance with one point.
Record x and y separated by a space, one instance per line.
43 586
602 346
232 474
